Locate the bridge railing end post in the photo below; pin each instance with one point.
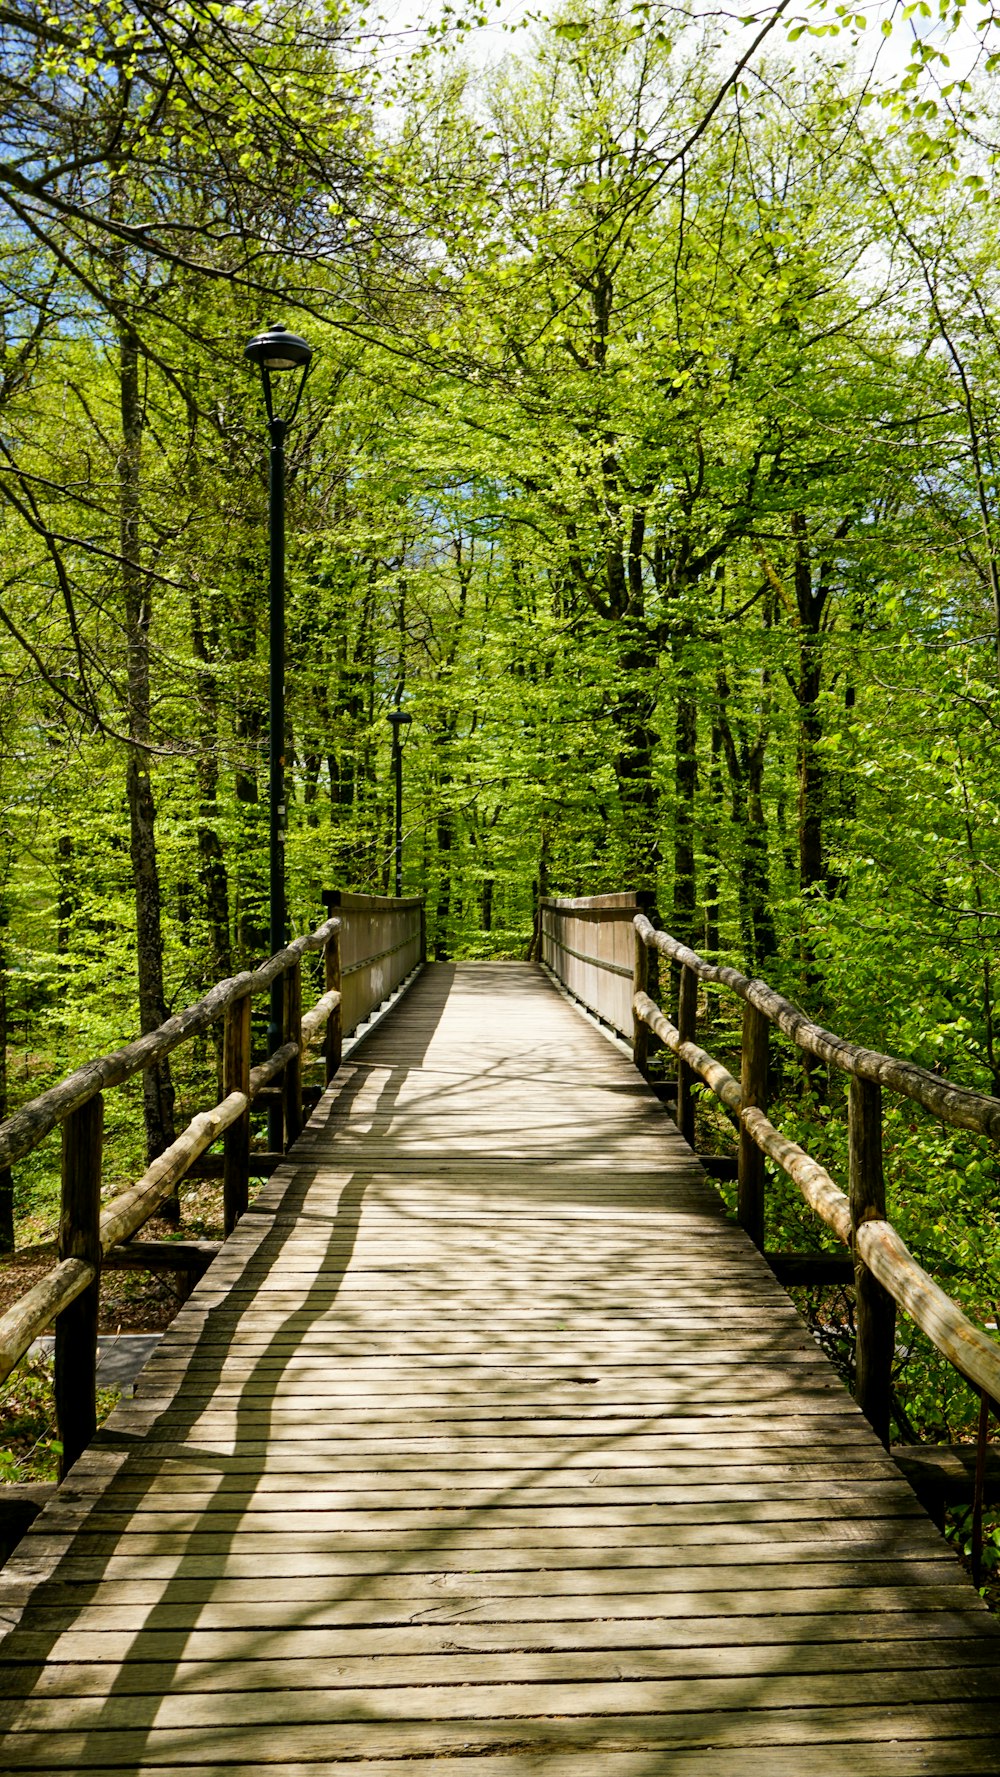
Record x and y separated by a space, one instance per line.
333 1047
874 1308
640 984
754 1094
687 1029
291 1032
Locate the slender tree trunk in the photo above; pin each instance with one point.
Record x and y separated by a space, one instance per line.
158 1091
745 764
310 787
811 602
812 870
712 848
442 920
635 745
211 862
7 1237
685 788
65 892
757 867
711 844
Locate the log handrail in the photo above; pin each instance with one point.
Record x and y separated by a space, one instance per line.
879 1251
27 1127
959 1105
55 1294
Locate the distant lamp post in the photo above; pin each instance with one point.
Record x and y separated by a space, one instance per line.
278 352
399 720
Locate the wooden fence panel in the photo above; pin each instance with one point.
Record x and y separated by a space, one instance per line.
589 944
381 942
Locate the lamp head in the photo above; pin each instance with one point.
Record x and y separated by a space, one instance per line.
276 351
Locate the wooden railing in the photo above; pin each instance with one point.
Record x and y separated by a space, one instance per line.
589 946
885 1272
383 940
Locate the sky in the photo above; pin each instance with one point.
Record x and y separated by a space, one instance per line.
494 41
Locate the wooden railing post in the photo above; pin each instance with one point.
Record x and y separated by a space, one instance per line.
236 1140
874 1308
687 1028
79 1238
334 1044
291 1032
640 1031
753 1092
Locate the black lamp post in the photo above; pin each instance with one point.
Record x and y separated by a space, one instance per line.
277 352
399 720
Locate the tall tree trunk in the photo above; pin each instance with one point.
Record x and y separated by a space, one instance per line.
249 869
211 862
310 787
158 1091
810 600
685 787
635 745
745 760
6 1176
65 892
442 917
757 862
712 848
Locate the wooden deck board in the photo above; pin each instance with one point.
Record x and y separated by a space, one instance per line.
489 1445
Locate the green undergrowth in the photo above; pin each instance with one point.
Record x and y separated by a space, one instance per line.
31 1449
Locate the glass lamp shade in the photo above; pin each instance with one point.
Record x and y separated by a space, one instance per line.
277 349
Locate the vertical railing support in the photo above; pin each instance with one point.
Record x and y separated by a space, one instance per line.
979 1486
332 982
291 1032
753 1091
79 1238
640 1031
874 1308
236 1140
687 1029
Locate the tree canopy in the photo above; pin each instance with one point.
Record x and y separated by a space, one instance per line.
650 458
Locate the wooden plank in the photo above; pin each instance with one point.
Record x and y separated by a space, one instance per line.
296 1554
436 1703
969 1758
763 1640
282 1669
722 1730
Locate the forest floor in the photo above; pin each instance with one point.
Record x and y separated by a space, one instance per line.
131 1302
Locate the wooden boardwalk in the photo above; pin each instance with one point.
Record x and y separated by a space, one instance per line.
489 1445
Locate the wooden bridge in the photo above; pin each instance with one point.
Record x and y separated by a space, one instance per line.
488 1442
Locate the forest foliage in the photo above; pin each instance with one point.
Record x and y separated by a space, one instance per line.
649 457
